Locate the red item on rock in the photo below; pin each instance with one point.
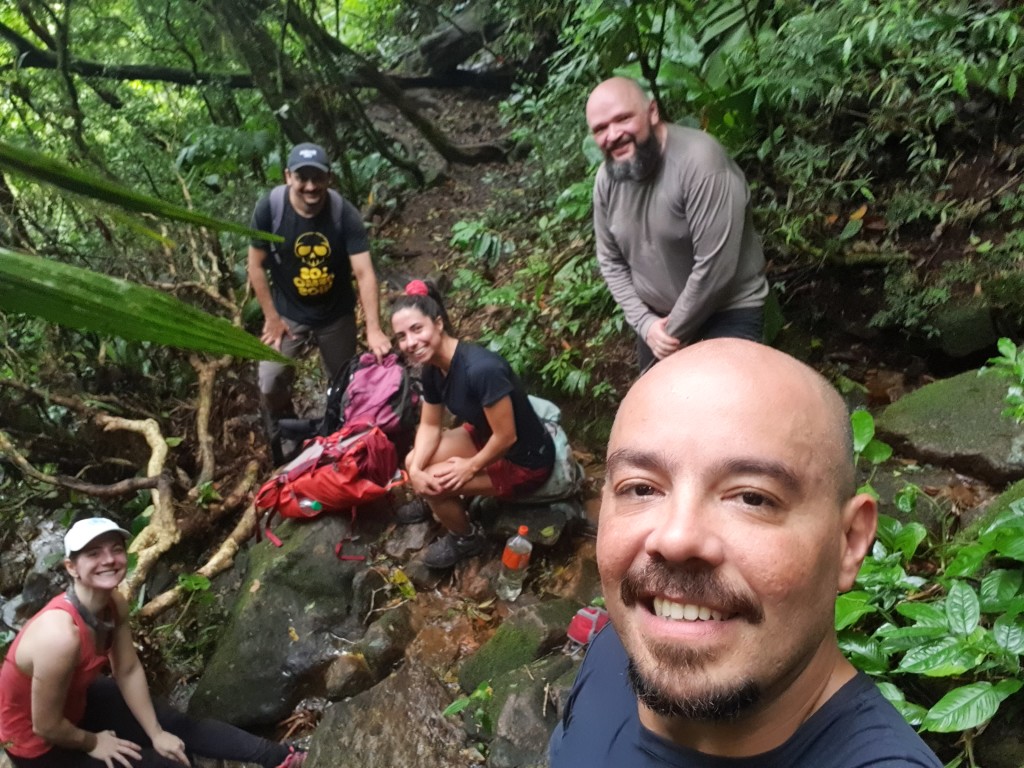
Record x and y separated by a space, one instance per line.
586 624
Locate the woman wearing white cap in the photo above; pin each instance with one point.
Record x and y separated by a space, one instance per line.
57 709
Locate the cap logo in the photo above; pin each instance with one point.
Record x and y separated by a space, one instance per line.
307 153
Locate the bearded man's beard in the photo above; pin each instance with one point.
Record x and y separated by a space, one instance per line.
716 704
645 161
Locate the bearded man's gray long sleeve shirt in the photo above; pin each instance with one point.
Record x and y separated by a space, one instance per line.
682 243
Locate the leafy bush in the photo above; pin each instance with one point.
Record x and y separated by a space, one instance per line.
926 610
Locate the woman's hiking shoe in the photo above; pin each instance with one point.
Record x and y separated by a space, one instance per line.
294 759
415 511
451 548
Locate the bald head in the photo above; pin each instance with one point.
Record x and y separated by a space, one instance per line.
620 91
750 387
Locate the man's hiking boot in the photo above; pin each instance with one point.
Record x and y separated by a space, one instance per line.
451 548
294 759
415 511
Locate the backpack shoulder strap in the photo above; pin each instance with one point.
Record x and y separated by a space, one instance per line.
277 207
337 206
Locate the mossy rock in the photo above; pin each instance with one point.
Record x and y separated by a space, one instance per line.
958 423
525 636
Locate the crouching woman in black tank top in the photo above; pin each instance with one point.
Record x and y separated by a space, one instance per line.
502 449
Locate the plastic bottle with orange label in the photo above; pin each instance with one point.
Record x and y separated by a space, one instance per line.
514 562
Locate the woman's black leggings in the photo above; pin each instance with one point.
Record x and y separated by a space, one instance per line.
106 710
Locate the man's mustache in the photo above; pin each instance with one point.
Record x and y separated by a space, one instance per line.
699 586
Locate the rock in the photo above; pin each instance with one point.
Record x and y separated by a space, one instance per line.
282 633
405 539
385 641
952 492
396 723
524 714
476 581
578 578
546 522
999 745
526 635
421 576
964 327
347 675
956 423
14 565
439 644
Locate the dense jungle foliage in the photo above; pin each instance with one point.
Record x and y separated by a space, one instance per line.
136 136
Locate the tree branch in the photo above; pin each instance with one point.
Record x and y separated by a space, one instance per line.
29 56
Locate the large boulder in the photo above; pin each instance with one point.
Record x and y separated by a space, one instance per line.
397 723
957 423
299 606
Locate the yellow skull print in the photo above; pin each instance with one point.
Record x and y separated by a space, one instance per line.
312 249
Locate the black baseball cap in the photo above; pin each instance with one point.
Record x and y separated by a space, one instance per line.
308 155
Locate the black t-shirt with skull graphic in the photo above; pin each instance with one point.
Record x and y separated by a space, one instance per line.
310 273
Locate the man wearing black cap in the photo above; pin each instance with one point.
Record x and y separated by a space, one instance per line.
309 297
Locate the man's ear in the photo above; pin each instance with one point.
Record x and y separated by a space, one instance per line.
652 113
859 521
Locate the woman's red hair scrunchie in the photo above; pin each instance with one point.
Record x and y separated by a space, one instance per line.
416 288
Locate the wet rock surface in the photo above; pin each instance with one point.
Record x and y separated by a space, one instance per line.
957 423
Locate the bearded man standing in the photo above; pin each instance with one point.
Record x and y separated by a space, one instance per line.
308 299
676 242
729 523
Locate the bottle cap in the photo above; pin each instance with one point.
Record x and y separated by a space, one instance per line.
316 506
523 530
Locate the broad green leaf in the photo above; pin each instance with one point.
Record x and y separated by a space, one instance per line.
912 713
923 614
863 429
909 538
899 639
1008 632
967 707
46 170
1007 348
888 530
850 607
963 611
944 658
876 452
864 652
998 587
968 560
79 298
1010 542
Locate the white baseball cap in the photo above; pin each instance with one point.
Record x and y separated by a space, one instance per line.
84 531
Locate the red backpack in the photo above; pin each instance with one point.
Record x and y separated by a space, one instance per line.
354 466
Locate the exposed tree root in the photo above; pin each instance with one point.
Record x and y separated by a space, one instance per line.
207 372
221 561
162 533
8 450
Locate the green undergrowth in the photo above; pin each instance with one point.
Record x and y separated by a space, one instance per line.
936 618
875 134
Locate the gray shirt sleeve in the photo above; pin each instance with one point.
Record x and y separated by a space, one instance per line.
613 265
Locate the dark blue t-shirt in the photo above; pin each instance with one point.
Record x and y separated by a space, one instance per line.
478 378
856 728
